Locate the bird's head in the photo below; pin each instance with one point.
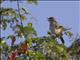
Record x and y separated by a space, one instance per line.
51 19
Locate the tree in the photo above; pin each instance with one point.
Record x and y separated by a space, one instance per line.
44 48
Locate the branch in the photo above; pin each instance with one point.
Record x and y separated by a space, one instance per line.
19 12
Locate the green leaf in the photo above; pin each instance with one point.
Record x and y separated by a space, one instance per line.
69 34
23 17
29 24
25 11
33 1
1 1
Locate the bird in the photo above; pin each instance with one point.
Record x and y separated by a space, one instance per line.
56 29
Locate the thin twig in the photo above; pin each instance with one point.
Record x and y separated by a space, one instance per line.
19 12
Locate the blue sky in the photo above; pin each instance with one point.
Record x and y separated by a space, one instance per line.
65 12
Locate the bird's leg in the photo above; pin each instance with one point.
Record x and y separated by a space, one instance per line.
62 40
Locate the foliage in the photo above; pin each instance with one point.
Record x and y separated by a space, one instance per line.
41 48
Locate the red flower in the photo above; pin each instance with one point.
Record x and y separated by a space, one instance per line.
25 47
12 56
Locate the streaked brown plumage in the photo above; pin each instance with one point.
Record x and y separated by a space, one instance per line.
55 29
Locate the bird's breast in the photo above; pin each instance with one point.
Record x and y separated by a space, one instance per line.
58 31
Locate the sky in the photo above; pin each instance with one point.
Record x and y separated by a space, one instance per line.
65 12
